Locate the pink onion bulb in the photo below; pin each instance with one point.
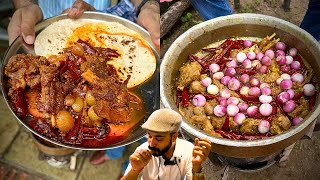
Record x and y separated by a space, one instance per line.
206 81
247 64
212 89
281 60
285 68
234 84
232 64
225 80
244 78
220 111
232 110
247 43
214 67
297 77
218 75
265 99
286 84
254 81
243 106
296 120
252 111
199 100
266 91
266 60
281 46
223 101
241 56
291 93
279 80
264 127
259 56
280 53
251 55
285 76
309 89
263 69
225 93
295 65
289 59
239 118
244 90
270 53
265 109
289 106
283 97
254 91
230 72
233 100
293 52
262 85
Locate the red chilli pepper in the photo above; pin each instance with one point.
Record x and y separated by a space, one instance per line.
185 97
225 126
19 103
235 136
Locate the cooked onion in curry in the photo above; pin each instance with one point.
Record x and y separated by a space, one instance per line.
75 97
246 90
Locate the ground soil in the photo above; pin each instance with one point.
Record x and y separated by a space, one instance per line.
268 7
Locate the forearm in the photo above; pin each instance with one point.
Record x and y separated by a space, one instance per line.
22 3
132 174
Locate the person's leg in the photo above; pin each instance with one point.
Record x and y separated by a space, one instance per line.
210 9
311 21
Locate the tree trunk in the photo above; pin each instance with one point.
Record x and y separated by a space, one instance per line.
169 18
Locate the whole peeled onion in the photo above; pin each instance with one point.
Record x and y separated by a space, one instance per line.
199 100
234 84
264 127
220 111
232 110
239 118
309 90
265 109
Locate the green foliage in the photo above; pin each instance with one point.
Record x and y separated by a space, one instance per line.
247 8
186 17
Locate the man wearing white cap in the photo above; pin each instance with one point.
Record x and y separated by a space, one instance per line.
165 156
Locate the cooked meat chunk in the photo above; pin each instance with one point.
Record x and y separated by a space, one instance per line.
202 122
250 126
208 109
188 73
52 90
199 111
234 127
280 124
302 110
196 87
217 122
23 70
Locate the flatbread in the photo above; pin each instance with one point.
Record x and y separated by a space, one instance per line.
136 57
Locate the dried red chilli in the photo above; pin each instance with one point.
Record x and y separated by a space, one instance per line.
226 123
185 97
235 136
19 102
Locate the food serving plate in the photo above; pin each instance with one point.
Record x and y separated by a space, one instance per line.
149 90
253 26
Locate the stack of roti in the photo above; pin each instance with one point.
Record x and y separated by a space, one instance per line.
136 57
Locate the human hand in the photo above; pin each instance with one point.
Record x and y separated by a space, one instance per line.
201 150
78 8
140 159
23 22
149 18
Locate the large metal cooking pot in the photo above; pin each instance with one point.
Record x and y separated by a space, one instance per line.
239 25
149 90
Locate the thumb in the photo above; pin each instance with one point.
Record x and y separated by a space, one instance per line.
27 27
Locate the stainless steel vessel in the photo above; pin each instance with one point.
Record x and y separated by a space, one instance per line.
149 90
239 25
